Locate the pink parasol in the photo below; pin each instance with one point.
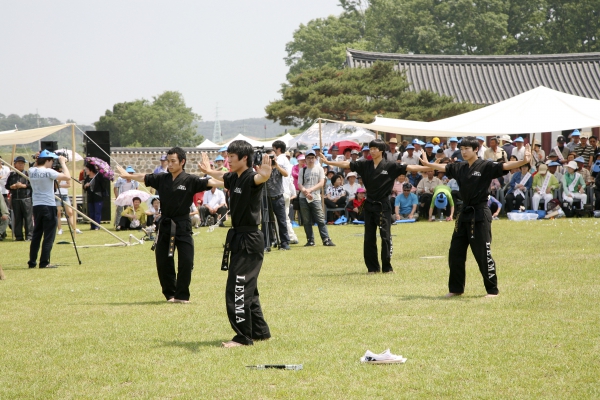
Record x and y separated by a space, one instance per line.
102 166
126 198
347 144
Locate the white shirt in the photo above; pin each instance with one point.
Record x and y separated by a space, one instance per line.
481 151
448 152
4 172
284 163
214 199
124 186
351 190
414 160
415 153
520 154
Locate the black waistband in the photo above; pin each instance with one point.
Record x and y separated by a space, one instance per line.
245 229
165 219
477 206
276 197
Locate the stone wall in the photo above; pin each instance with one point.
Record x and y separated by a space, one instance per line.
145 159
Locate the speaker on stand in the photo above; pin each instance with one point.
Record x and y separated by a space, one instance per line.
97 144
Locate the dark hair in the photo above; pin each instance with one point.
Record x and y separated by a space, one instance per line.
471 142
242 149
180 154
515 157
347 149
592 137
445 160
153 200
526 165
335 178
136 198
92 167
42 161
279 144
378 143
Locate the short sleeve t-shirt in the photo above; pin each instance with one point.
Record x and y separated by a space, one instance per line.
309 177
245 198
42 186
405 204
379 181
176 195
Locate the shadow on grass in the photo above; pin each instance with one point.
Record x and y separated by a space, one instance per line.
194 347
139 303
342 274
441 297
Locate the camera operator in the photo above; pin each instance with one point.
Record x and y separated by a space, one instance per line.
42 178
289 191
20 200
275 196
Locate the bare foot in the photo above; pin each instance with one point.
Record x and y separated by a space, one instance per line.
490 295
181 301
452 295
390 272
230 344
171 300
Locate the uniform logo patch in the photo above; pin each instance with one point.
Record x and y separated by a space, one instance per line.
180 187
238 190
384 172
476 173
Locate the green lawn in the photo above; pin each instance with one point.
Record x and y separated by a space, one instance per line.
103 329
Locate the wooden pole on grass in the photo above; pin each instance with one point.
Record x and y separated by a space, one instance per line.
74 191
2 277
319 161
12 157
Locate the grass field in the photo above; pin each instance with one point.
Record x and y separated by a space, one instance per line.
103 329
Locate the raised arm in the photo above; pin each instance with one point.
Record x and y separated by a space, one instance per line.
264 172
204 166
65 175
341 164
127 175
516 164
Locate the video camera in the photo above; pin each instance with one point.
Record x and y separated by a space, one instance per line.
258 156
55 164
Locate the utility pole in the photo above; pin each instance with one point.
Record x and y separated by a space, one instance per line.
217 133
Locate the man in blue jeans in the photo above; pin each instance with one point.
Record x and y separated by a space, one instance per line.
42 178
310 181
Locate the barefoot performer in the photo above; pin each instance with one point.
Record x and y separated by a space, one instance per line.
177 189
378 176
473 227
245 242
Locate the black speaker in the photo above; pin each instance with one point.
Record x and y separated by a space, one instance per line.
97 144
48 145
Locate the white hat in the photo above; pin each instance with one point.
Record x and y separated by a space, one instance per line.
572 164
506 138
349 174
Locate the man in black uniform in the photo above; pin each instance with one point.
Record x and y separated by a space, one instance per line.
378 177
474 224
244 242
177 189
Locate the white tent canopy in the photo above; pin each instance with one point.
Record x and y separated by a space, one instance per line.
333 132
285 139
537 110
254 143
207 144
28 136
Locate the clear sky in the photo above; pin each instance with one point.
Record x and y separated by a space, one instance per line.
74 59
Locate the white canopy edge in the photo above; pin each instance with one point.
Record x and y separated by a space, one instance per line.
29 135
537 110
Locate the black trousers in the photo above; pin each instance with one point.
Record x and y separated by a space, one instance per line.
175 285
125 223
278 206
340 203
518 200
479 237
22 210
241 291
46 220
375 217
425 203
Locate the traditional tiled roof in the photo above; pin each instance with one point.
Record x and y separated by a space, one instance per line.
491 79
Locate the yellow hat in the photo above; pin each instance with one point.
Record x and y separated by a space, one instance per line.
435 140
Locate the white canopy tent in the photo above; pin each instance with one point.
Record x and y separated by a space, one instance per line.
332 132
537 110
28 136
285 139
254 143
207 144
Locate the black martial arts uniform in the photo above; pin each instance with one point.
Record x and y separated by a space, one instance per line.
246 244
379 183
175 230
474 223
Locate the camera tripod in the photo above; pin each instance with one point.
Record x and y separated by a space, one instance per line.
62 202
268 222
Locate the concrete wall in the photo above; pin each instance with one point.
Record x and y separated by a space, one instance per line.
145 159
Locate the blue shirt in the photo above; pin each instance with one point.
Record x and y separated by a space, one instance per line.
405 204
516 179
42 186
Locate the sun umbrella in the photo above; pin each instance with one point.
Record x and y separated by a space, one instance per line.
70 154
126 198
347 144
103 167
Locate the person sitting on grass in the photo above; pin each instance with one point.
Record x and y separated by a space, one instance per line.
336 195
406 204
153 213
355 207
132 217
195 215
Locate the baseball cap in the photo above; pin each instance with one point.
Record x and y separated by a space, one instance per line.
360 190
224 148
46 154
410 147
576 133
393 140
349 174
453 139
519 139
19 158
435 140
429 146
334 147
561 138
310 153
219 158
480 138
579 159
542 169
366 148
441 201
572 164
355 152
300 157
554 164
130 169
506 138
163 157
315 147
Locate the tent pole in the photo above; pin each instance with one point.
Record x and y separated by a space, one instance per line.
74 191
12 157
319 161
